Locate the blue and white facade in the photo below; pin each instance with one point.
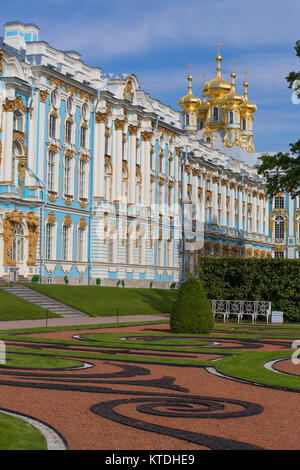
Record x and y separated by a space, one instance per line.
94 174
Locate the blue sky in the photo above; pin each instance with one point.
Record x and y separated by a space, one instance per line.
157 39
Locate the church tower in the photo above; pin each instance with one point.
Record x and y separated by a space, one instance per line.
223 118
189 104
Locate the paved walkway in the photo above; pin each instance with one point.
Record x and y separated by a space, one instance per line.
11 325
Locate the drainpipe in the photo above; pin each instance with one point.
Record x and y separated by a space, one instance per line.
182 210
30 170
92 189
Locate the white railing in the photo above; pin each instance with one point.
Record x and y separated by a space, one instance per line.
239 308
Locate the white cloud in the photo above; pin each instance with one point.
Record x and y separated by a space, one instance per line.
132 27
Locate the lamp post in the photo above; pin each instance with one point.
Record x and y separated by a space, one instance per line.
184 160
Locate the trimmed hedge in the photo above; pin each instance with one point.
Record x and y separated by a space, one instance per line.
275 280
192 310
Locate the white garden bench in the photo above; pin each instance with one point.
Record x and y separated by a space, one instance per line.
239 308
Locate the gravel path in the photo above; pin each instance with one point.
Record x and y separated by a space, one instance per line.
145 406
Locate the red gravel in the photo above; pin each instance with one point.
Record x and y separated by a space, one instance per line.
277 427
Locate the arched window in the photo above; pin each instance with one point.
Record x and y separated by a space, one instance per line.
244 124
208 211
17 247
279 227
187 119
215 114
231 117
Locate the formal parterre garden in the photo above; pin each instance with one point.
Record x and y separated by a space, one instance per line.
130 375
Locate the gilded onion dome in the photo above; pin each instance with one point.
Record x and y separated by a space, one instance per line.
204 106
218 87
247 107
233 98
189 102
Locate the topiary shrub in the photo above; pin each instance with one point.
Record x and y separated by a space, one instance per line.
192 311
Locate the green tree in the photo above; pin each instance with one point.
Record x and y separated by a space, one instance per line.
282 170
192 311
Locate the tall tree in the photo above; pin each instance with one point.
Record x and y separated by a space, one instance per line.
282 170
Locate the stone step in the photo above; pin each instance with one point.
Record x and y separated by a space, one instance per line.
43 301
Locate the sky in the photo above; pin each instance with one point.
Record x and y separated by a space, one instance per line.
157 40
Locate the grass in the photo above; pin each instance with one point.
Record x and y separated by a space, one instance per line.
16 434
14 308
23 359
104 301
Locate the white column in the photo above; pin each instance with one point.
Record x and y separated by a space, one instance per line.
117 160
261 213
145 164
223 204
290 206
240 225
232 206
32 142
42 137
215 180
7 146
132 164
99 155
254 212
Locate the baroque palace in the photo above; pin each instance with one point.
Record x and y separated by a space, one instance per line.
98 180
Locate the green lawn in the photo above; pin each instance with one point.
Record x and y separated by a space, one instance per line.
14 308
104 301
16 434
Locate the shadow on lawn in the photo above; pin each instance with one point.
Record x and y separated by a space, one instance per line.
160 300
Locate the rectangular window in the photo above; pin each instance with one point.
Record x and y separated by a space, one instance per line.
80 245
49 242
110 250
67 175
65 243
279 202
68 136
52 126
128 250
51 171
279 254
82 179
83 134
170 196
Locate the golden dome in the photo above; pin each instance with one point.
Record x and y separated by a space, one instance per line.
233 98
247 106
218 87
189 102
204 106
